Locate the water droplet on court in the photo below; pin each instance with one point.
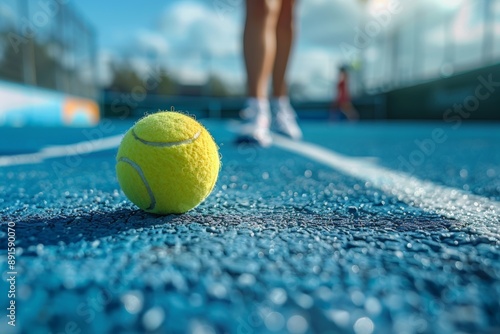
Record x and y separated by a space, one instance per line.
153 318
339 317
353 211
246 279
297 324
132 301
372 306
39 249
274 321
364 325
304 301
464 173
198 327
217 290
357 298
278 296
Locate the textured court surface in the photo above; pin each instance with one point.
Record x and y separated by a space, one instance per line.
284 244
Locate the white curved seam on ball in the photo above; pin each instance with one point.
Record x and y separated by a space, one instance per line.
169 144
143 178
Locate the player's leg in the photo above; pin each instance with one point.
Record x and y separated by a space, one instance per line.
349 111
259 44
285 30
259 49
284 115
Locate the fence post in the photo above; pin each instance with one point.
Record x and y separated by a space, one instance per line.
28 50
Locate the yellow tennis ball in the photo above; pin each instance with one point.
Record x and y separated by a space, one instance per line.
167 163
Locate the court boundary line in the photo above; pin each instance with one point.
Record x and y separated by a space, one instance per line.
479 213
60 151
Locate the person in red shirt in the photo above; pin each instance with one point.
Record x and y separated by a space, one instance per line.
343 100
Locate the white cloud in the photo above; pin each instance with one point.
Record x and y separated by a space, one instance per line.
141 65
7 14
193 75
187 38
315 71
151 42
326 23
195 29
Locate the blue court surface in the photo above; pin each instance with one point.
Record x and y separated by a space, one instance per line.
390 227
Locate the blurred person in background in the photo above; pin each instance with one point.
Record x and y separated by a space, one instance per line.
267 42
342 103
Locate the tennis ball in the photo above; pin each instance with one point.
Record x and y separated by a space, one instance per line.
167 163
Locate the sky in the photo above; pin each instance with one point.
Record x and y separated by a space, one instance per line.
193 38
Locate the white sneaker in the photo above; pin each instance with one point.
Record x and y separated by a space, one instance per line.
285 118
256 121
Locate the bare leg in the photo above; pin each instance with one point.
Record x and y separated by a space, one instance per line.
284 40
259 44
349 111
285 119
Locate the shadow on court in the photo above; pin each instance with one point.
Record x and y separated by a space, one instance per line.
95 226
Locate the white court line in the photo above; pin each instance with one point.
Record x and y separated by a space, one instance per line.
84 147
479 213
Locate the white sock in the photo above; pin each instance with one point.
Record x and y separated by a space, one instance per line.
280 102
259 104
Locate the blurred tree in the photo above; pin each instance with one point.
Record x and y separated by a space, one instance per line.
216 87
11 67
124 77
48 70
166 84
